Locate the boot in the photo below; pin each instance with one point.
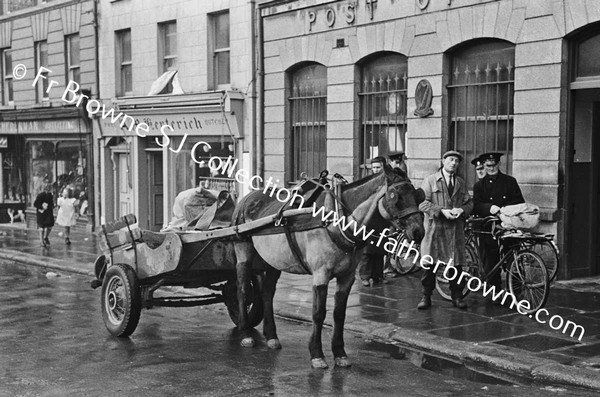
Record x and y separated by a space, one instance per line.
458 302
425 302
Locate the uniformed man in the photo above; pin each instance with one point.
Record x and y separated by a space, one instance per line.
478 162
494 191
397 160
370 266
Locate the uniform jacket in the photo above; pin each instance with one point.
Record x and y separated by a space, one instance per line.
444 239
502 190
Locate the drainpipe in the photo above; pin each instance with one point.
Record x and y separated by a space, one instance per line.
97 199
260 110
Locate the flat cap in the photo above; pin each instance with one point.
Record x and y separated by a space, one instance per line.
453 153
493 156
378 159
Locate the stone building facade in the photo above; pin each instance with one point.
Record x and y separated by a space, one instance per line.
185 69
44 139
348 80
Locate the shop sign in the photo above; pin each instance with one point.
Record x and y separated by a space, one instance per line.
346 12
40 127
206 124
3 142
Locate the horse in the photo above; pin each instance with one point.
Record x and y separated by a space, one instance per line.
325 251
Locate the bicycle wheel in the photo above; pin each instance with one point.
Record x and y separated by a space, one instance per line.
442 285
528 280
549 252
401 265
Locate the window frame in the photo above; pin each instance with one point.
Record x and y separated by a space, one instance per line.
371 94
213 74
491 110
121 64
70 68
163 57
7 78
307 110
41 95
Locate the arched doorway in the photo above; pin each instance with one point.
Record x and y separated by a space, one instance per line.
583 235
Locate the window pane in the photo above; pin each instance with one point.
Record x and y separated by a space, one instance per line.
9 84
126 79
222 31
43 53
8 63
125 38
587 57
170 30
75 75
222 65
74 50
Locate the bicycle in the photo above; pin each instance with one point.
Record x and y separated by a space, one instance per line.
398 262
526 272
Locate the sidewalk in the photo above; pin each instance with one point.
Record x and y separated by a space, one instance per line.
488 338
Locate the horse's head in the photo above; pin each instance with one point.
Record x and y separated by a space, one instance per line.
400 204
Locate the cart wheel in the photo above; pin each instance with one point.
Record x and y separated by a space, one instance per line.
528 280
121 300
472 267
254 302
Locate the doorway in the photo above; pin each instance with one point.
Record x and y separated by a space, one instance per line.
122 176
584 181
155 190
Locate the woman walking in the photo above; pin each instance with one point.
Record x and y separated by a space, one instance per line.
44 204
67 215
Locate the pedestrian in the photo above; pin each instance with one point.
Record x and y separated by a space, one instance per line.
44 205
478 162
493 191
398 160
446 207
67 213
370 265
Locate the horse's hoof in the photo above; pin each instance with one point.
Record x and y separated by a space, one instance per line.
319 363
247 342
342 362
274 344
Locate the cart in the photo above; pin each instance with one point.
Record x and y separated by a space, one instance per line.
136 263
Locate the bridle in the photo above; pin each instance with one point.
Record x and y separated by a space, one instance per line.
388 209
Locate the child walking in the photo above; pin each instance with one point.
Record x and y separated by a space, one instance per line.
67 215
44 204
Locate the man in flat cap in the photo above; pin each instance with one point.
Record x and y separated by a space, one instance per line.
397 160
370 266
446 207
478 162
493 191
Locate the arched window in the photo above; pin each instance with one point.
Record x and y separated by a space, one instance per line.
382 106
481 93
308 104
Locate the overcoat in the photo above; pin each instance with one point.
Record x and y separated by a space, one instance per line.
444 239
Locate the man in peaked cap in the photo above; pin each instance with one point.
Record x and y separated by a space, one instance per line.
478 162
494 191
446 207
397 160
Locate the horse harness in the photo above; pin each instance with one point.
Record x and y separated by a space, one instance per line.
346 243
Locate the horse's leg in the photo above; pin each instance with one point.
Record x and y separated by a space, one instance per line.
244 253
269 328
320 282
344 284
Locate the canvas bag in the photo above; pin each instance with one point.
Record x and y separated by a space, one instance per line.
523 216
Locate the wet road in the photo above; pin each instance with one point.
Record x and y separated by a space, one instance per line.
53 343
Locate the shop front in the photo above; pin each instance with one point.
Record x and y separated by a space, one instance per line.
44 151
144 174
